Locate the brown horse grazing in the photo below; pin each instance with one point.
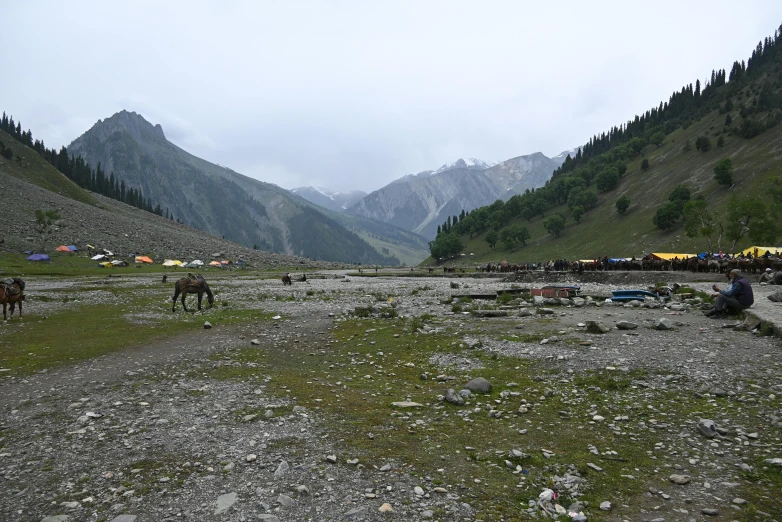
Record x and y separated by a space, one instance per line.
193 285
11 292
286 280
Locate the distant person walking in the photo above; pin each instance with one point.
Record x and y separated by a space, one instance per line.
737 297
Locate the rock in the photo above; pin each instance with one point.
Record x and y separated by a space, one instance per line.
707 428
406 404
774 462
605 505
594 466
251 457
302 489
490 313
124 518
596 327
285 501
626 325
419 491
331 459
386 508
776 297
224 503
255 342
453 397
479 385
207 325
710 511
719 392
538 300
282 469
355 512
57 518
524 312
427 514
739 501
545 311
663 324
680 479
268 517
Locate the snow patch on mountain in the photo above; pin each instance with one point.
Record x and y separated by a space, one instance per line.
465 163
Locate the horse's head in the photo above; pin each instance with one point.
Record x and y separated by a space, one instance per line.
209 296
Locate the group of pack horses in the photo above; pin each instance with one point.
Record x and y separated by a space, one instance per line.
724 265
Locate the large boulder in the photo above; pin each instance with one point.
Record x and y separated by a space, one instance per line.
479 385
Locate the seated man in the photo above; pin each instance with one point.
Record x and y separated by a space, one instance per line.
767 276
737 297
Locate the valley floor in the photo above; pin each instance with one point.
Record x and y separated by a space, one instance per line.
324 401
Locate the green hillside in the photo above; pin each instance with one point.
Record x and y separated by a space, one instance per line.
26 164
752 100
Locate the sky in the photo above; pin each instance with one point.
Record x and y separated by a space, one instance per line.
351 95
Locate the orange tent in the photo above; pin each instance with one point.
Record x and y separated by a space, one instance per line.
143 259
63 248
214 263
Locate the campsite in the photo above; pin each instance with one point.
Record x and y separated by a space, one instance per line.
329 398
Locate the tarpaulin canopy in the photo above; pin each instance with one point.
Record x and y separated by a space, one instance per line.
143 259
38 257
761 251
668 257
63 248
98 257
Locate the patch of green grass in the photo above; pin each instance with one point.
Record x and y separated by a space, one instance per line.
59 338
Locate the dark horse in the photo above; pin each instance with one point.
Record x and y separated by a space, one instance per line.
193 285
11 292
286 280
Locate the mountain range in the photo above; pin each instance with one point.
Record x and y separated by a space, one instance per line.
225 203
421 202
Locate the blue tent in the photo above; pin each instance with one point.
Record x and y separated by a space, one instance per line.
73 248
38 257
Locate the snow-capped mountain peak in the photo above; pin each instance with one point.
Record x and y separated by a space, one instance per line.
465 163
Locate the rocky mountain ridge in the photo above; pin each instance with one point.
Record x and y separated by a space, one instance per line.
420 202
215 199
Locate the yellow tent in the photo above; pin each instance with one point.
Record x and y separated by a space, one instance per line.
668 257
106 264
760 251
172 262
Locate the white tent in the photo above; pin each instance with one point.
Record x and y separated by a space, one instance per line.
98 257
194 263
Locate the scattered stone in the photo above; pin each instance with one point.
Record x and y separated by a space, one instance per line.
479 385
774 462
605 505
57 518
453 397
680 479
224 502
545 311
282 469
407 404
596 327
594 466
386 508
355 512
663 324
710 511
285 501
207 325
124 518
419 491
707 428
626 325
739 501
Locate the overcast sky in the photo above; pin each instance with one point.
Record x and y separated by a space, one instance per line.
354 94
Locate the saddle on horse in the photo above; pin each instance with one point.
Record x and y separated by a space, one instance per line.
13 285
